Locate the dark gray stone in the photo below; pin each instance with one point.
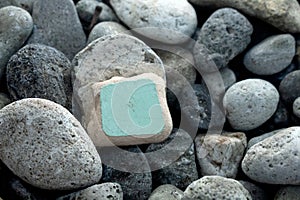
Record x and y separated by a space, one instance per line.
288 193
57 25
40 71
296 107
4 100
255 191
289 87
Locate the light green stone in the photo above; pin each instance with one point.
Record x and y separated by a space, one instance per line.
131 108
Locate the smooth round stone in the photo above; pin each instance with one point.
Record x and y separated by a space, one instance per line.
86 10
224 35
216 187
275 160
167 191
255 191
59 154
250 103
39 71
16 26
104 191
4 100
224 153
57 25
296 107
289 87
288 193
107 28
167 21
272 55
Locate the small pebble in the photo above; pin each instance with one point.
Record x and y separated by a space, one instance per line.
289 87
216 187
250 103
43 144
272 55
104 191
288 193
163 20
168 192
16 26
296 107
275 160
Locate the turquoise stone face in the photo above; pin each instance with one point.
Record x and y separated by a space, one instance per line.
131 108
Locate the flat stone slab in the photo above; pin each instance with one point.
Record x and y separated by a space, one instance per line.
130 111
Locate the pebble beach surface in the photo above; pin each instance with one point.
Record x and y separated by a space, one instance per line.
149 99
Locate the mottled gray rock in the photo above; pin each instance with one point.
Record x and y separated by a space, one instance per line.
25 4
163 20
289 87
288 193
59 154
168 192
86 10
250 103
225 34
104 191
216 187
40 71
4 100
182 171
16 26
296 107
61 30
260 138
275 160
256 192
283 14
107 28
135 185
271 55
220 154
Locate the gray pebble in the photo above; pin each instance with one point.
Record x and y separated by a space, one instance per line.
250 103
223 153
57 25
43 144
40 71
289 87
224 35
168 192
216 187
288 193
167 21
107 28
104 191
296 107
182 171
255 191
275 160
4 100
272 55
260 138
16 26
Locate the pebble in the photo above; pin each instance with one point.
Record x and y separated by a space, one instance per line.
275 160
86 10
224 153
61 30
250 103
224 35
4 100
216 187
107 28
283 14
288 193
132 171
289 87
256 192
59 154
40 71
16 26
296 107
182 170
167 21
169 192
104 191
272 55
260 138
